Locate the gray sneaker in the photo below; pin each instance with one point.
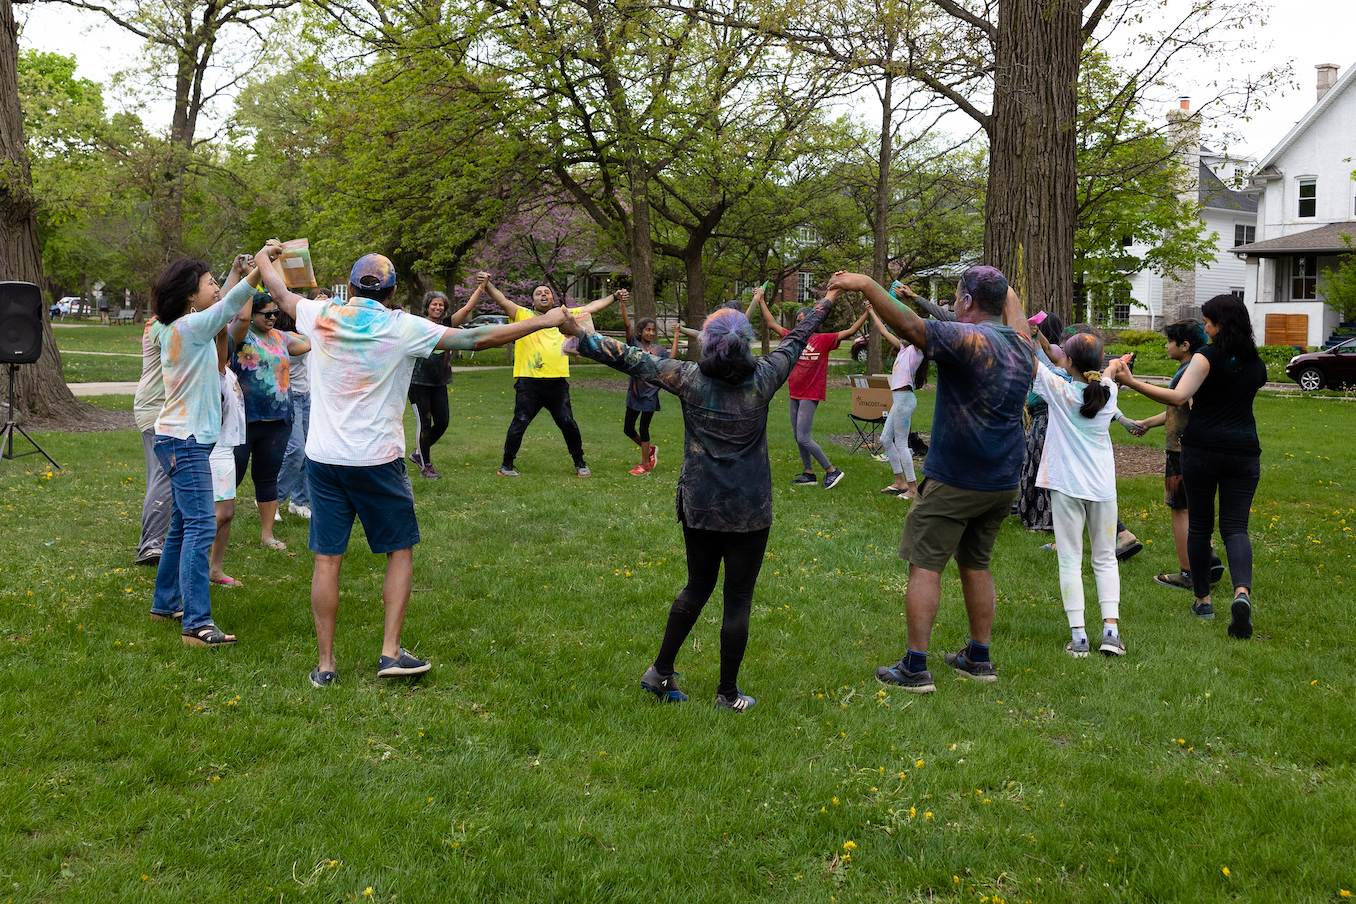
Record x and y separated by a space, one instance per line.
322 679
583 471
404 664
665 687
1112 646
1078 649
980 671
1203 611
507 471
740 702
896 675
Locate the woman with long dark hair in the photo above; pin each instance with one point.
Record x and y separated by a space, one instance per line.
1220 450
724 497
186 302
642 398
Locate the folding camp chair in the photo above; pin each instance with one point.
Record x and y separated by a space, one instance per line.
868 434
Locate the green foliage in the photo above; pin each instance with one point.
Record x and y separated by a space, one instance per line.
527 766
1339 285
1140 337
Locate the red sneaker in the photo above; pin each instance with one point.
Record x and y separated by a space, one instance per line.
654 458
640 470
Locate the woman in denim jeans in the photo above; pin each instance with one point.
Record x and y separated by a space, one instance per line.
186 302
1220 450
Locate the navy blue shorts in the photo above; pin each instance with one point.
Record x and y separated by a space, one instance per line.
378 495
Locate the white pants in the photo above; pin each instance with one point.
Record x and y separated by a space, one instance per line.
1070 515
894 436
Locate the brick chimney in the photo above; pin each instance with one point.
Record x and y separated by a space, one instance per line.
1327 77
1184 133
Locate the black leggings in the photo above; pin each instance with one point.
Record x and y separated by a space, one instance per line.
629 428
531 395
266 443
430 407
1236 477
743 555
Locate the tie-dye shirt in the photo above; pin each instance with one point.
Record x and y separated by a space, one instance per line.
261 365
188 356
151 390
983 374
360 363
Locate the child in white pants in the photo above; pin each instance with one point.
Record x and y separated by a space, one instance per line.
1079 469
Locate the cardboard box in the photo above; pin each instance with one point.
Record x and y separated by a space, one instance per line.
871 396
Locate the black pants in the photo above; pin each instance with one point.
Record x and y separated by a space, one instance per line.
532 394
1235 477
430 406
629 426
265 443
743 555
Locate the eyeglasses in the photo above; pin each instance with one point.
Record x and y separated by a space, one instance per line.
271 315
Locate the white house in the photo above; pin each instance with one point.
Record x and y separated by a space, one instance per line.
1211 181
1306 204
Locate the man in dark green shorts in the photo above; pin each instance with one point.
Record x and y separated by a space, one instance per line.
984 362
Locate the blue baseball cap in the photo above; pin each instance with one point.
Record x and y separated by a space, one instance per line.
373 272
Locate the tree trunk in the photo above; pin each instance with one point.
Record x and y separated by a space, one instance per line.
696 285
641 248
39 388
1030 208
880 261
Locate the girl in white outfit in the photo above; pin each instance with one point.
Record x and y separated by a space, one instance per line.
894 436
1079 470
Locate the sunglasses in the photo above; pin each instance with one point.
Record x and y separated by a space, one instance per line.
271 315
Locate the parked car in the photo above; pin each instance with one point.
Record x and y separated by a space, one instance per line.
68 305
1331 367
487 320
859 348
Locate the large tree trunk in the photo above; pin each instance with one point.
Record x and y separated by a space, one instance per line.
1029 211
640 241
880 261
39 388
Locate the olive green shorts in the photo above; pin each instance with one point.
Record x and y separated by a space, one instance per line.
946 521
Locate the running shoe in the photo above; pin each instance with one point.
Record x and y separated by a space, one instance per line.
640 470
303 511
740 702
805 480
1241 624
417 458
833 478
322 679
1203 611
1078 649
966 668
914 682
507 471
654 458
583 471
1181 580
404 664
428 473
665 687
1112 646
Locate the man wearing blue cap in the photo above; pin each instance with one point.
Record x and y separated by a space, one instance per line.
361 358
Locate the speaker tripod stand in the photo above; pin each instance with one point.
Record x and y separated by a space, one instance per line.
7 434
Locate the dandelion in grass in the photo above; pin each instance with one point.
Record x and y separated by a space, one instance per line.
1225 870
849 845
918 765
367 892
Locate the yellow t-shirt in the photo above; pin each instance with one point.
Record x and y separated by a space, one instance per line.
538 354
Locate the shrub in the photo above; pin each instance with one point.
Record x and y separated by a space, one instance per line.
1140 337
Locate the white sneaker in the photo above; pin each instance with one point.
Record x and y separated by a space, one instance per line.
302 510
277 515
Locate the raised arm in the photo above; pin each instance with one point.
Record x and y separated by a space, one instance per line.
767 315
626 321
498 298
593 307
273 281
880 328
907 325
852 330
1014 316
1186 387
921 304
460 315
242 264
483 337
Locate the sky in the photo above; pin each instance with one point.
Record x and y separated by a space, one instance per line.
1300 32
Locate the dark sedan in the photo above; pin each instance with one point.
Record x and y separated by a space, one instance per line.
1331 367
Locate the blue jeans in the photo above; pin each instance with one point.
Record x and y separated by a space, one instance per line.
181 579
292 481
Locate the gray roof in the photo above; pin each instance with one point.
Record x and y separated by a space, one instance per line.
1323 240
1213 193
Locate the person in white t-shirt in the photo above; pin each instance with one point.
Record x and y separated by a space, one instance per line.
909 371
362 355
1079 469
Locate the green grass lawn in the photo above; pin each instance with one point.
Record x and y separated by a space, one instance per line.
527 766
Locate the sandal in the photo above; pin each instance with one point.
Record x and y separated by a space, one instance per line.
893 490
209 635
227 581
272 543
176 615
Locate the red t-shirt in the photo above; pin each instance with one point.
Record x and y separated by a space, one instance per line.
809 377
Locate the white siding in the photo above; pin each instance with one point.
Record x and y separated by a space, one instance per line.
1228 272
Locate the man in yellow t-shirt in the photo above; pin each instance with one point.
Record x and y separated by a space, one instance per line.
542 375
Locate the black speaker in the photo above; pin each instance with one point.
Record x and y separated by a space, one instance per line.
20 323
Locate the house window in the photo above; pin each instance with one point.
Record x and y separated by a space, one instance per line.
1308 197
1120 313
1244 235
804 284
1236 293
807 235
1303 278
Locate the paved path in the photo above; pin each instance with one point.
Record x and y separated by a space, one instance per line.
93 389
76 351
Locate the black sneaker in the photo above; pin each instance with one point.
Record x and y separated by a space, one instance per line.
914 682
1203 611
980 671
738 703
832 478
1216 568
404 664
1181 580
805 480
665 687
1241 624
322 679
